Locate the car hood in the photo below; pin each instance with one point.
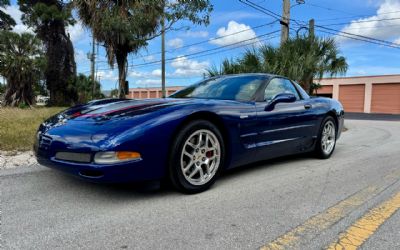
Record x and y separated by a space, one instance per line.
97 122
103 112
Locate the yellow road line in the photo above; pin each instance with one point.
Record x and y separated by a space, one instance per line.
314 225
366 226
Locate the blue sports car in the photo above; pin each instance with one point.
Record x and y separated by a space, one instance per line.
191 136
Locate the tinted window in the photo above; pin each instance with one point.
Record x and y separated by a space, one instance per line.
224 88
277 86
303 93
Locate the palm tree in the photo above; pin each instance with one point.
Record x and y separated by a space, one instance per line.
302 59
125 26
84 87
21 63
6 21
49 19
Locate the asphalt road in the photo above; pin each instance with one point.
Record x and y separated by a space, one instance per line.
293 203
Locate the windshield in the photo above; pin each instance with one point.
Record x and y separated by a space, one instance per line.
241 88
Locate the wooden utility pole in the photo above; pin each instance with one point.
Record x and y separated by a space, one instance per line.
285 21
163 57
311 25
93 61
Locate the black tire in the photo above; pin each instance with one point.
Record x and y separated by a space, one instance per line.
176 175
319 151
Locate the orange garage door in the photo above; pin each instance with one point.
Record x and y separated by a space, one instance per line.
352 97
386 98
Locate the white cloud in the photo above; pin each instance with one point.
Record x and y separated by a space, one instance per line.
145 74
16 14
147 82
76 32
81 57
135 74
175 43
107 75
156 73
149 58
233 28
194 49
196 34
372 27
186 67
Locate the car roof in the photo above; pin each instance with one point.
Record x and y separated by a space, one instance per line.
248 74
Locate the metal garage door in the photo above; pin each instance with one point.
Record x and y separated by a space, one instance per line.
352 97
386 98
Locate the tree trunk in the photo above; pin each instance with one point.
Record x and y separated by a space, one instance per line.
307 84
60 73
61 68
18 91
121 61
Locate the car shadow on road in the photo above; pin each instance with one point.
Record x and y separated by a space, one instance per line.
156 189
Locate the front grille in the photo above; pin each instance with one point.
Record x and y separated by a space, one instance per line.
73 157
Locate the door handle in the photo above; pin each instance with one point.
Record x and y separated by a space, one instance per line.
307 106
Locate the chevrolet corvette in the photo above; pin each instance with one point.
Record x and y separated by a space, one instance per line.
190 137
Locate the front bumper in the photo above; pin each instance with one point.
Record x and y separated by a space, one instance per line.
115 173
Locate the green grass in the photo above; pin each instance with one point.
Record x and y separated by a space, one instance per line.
18 126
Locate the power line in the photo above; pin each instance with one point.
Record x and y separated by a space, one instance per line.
262 9
355 16
391 44
267 11
191 55
213 50
358 39
370 27
205 41
362 21
328 8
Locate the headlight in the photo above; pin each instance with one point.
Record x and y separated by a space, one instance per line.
110 157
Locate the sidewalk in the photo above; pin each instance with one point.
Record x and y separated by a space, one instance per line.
376 117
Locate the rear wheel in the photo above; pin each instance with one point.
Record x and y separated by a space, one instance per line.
197 157
326 140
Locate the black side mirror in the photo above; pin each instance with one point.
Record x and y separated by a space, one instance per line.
282 97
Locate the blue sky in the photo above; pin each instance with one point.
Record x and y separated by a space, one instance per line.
229 16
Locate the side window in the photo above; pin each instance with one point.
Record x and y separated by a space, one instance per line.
277 86
291 89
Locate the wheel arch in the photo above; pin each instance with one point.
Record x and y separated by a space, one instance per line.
332 113
212 118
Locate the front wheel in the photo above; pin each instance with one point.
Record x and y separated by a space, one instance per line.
197 157
326 140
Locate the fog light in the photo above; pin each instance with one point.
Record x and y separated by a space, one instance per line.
110 157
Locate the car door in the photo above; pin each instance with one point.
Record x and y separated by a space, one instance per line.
287 128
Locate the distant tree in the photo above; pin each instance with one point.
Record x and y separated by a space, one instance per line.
114 93
49 18
21 61
6 21
2 89
125 26
84 86
302 59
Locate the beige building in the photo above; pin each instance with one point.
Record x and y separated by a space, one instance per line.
154 92
367 94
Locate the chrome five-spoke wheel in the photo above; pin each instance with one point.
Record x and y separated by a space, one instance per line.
200 157
328 139
197 156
